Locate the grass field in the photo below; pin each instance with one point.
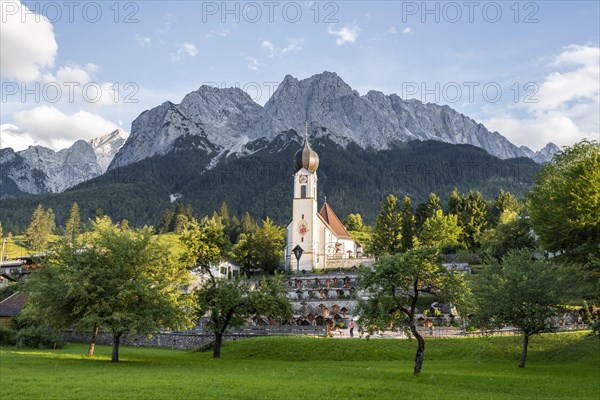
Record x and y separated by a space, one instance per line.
560 366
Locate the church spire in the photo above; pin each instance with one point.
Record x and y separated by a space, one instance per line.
306 157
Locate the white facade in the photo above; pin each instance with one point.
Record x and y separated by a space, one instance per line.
319 233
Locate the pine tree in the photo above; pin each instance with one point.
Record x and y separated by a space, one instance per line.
180 223
73 224
453 202
433 205
387 232
472 218
354 222
248 224
39 228
166 221
408 224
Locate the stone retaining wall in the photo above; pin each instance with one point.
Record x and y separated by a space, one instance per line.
171 340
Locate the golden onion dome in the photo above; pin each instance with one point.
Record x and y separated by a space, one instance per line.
306 158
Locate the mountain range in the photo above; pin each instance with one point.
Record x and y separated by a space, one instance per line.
228 121
39 169
219 145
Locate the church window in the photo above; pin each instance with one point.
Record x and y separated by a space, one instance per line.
302 239
302 216
303 191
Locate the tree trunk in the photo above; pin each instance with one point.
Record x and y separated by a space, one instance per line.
93 340
420 349
217 345
524 353
115 348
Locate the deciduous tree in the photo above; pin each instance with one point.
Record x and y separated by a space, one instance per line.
396 283
228 303
519 292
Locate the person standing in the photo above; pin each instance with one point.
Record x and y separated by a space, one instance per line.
352 328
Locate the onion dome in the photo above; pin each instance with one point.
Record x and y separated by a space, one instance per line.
306 158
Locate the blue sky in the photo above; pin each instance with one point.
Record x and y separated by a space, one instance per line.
530 70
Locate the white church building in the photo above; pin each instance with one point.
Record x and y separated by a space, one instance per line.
319 233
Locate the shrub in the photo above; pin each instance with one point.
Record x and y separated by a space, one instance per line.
7 336
39 338
452 248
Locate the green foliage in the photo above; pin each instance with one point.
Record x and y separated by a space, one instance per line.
396 283
73 224
8 290
472 218
258 183
261 249
228 303
7 336
519 292
40 228
565 204
514 234
38 337
205 242
505 202
354 222
407 231
387 235
121 280
440 230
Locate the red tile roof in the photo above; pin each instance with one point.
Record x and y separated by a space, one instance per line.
333 221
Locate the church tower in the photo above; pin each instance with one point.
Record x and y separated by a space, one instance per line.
303 228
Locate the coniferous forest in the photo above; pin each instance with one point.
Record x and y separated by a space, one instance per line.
354 180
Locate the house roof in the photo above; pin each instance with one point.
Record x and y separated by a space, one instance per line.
13 304
333 221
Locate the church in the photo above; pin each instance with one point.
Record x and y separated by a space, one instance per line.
318 237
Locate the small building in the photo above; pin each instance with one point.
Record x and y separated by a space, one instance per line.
10 307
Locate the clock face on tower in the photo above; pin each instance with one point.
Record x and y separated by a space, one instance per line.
303 178
302 228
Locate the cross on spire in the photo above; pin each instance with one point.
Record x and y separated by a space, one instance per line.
306 131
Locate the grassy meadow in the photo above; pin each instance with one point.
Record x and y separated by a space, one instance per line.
560 366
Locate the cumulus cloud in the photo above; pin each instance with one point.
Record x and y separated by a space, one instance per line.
50 127
27 43
392 30
565 107
347 34
407 30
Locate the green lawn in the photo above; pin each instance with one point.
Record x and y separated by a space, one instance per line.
560 366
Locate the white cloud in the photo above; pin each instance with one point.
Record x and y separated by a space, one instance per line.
50 127
565 107
143 41
270 47
221 32
347 34
27 43
184 48
392 30
293 45
14 137
253 63
407 30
